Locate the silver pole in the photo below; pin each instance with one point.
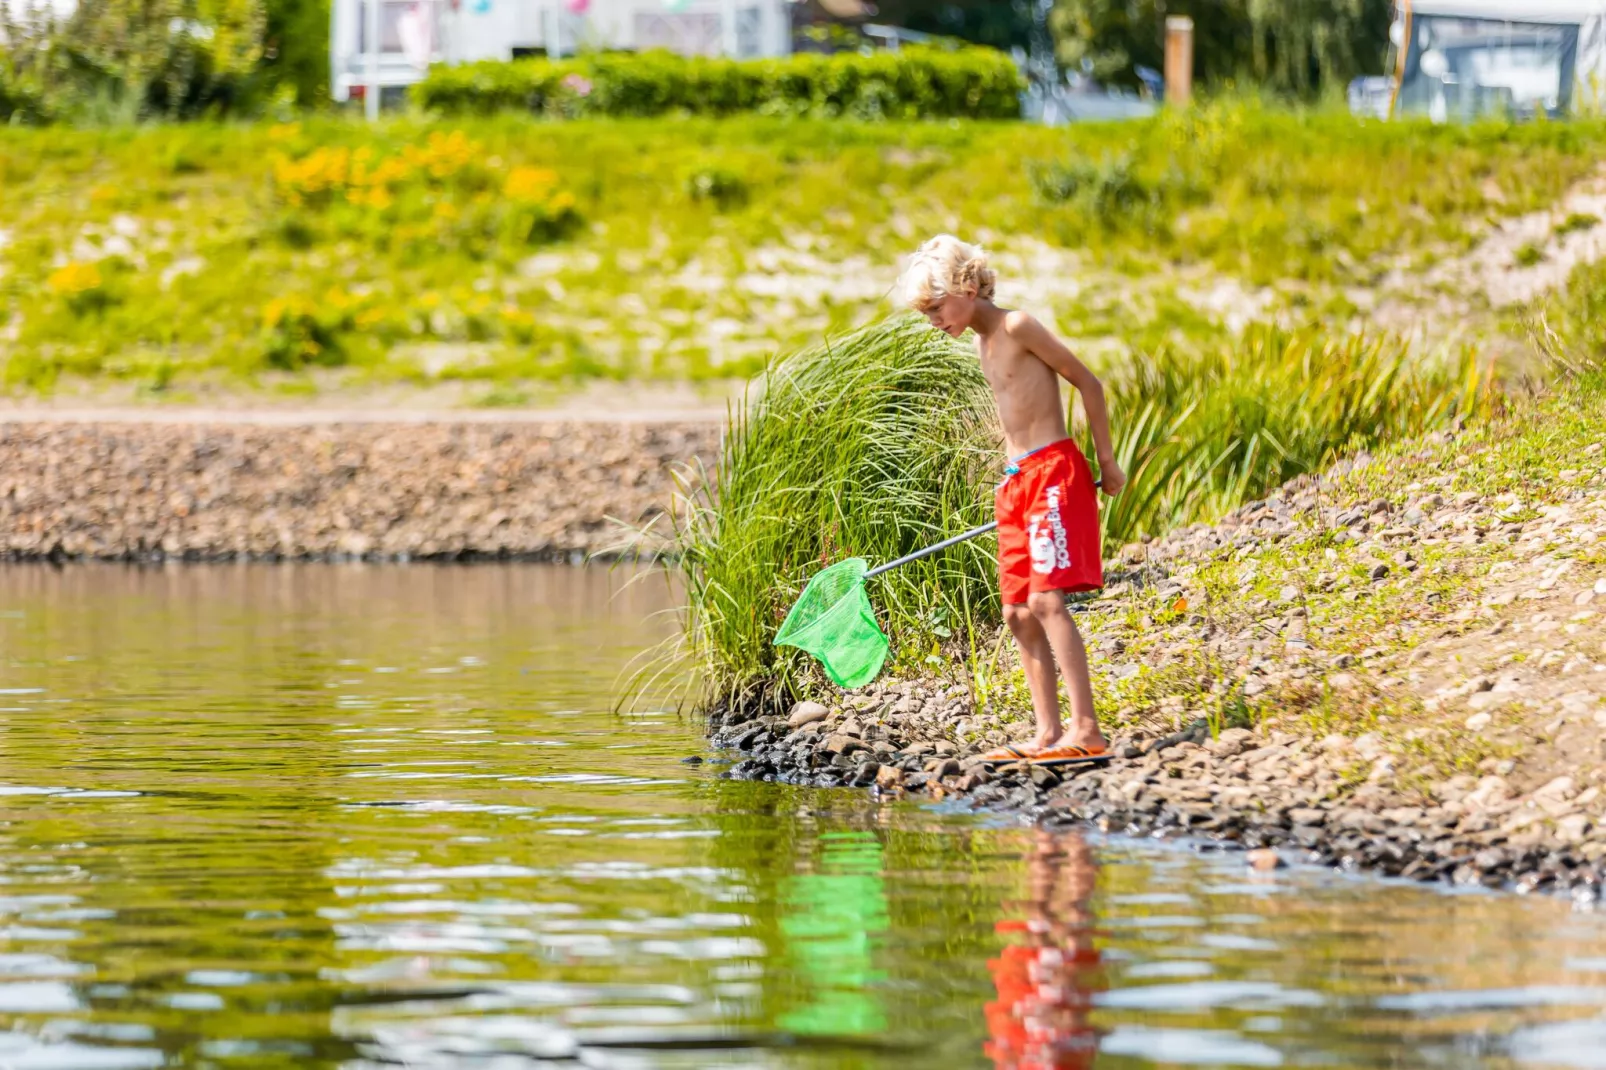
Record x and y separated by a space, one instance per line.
727 26
554 30
370 97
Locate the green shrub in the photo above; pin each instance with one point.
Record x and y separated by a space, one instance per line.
725 189
1103 190
1576 221
1529 255
915 83
21 101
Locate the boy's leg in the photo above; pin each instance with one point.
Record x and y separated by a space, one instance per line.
1037 659
1054 620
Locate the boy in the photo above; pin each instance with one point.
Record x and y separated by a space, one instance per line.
1048 522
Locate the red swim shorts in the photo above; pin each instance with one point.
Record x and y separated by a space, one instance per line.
1048 524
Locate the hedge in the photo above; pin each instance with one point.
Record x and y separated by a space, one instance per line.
19 101
916 83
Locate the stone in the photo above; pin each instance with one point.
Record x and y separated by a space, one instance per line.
1305 815
843 744
852 727
865 775
806 713
1231 743
1379 572
1368 745
1573 828
888 778
942 767
1479 721
1264 860
1043 776
1561 787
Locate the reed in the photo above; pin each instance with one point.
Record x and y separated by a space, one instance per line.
1201 432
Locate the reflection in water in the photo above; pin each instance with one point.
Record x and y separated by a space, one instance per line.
362 817
831 919
1046 980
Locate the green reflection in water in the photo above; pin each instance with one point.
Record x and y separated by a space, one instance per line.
830 922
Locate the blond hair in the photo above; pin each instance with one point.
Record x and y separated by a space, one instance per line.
942 266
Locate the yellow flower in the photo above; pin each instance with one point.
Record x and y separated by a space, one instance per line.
531 185
75 278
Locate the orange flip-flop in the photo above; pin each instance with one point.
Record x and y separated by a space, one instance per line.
1004 755
1055 757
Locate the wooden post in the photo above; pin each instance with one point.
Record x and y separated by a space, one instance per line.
1178 60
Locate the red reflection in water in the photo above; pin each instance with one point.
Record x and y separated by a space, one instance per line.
1046 980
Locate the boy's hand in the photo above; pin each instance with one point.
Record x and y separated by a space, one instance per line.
1113 478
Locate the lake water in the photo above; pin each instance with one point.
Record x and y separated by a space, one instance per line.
369 816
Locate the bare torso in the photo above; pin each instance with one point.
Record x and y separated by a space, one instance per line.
1027 392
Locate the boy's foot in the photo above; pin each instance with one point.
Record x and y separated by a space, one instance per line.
1069 754
1013 752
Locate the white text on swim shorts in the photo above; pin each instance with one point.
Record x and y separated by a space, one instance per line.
1049 548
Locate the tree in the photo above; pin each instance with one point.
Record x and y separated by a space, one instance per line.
1299 47
997 23
127 60
296 49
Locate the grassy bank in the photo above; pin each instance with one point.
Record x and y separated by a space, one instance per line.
509 250
887 442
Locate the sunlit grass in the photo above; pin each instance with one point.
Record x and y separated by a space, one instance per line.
681 248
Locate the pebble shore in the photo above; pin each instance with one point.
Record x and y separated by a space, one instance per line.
1238 791
444 490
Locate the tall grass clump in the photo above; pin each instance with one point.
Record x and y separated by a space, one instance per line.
1200 433
1568 328
870 446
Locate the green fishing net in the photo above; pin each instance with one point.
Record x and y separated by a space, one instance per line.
832 620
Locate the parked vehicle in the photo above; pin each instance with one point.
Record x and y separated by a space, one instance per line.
1462 59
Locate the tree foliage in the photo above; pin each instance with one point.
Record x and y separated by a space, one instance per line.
134 59
296 49
1298 47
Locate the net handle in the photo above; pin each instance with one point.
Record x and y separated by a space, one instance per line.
943 545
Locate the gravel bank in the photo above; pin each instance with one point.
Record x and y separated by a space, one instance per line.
1310 799
444 489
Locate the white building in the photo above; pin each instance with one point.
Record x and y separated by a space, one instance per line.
412 34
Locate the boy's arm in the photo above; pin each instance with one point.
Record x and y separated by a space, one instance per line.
1041 343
